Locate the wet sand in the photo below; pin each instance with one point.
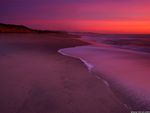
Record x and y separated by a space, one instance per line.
35 78
126 71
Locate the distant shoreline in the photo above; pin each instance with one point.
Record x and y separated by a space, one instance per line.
11 28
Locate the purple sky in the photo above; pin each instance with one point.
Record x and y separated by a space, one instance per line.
76 14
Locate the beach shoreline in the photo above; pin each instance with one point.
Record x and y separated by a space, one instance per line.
99 76
131 102
36 78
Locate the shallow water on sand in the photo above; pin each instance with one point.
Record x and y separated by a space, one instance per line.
127 70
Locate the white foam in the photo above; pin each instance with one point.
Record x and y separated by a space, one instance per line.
61 52
104 81
88 65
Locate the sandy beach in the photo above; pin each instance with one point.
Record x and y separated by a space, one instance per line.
35 78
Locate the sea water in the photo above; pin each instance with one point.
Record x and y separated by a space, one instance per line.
122 60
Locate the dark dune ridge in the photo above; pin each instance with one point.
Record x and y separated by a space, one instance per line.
11 28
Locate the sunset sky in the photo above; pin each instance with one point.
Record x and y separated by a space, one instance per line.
106 16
